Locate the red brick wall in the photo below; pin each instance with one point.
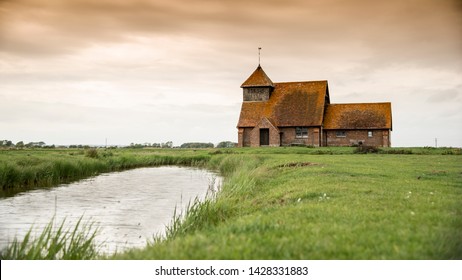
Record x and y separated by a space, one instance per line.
247 132
380 138
240 137
250 137
273 134
289 137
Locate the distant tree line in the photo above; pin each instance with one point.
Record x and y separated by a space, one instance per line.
79 146
226 144
21 144
189 145
166 145
196 145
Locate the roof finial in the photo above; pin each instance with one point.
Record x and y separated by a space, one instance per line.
259 49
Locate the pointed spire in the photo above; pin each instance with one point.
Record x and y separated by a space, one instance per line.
259 49
258 79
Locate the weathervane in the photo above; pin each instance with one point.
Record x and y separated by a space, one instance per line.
259 49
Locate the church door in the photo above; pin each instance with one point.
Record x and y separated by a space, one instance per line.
264 137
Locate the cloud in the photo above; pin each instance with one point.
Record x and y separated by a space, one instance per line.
155 65
400 29
453 96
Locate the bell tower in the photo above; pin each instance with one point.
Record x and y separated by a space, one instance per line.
258 86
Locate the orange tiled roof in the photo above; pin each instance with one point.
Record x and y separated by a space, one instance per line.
258 79
290 104
358 116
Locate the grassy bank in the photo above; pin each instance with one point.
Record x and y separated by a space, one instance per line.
336 206
22 170
304 203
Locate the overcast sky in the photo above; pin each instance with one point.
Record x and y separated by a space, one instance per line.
81 71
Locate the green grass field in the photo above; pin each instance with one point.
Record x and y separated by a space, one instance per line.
297 203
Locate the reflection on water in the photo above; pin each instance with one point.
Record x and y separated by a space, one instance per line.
129 207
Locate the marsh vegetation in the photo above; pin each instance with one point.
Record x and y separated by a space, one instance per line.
274 205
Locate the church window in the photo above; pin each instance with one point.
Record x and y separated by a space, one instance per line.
301 132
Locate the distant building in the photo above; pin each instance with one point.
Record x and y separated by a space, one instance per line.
300 113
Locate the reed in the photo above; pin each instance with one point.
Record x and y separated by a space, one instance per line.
66 243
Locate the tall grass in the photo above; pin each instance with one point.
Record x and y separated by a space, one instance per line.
242 174
197 214
23 170
73 243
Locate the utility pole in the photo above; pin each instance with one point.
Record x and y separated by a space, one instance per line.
436 142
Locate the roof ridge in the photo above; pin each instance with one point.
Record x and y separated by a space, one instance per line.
258 79
317 81
359 103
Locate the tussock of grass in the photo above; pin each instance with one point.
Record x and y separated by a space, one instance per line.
76 243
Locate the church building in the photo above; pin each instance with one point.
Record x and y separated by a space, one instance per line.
300 113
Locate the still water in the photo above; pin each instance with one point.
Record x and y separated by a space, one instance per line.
129 207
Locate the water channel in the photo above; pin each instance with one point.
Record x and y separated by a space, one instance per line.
129 207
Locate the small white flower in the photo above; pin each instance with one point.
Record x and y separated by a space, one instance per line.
431 193
412 213
299 199
410 192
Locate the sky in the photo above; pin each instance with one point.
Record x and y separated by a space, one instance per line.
152 71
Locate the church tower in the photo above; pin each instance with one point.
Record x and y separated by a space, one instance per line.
258 86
